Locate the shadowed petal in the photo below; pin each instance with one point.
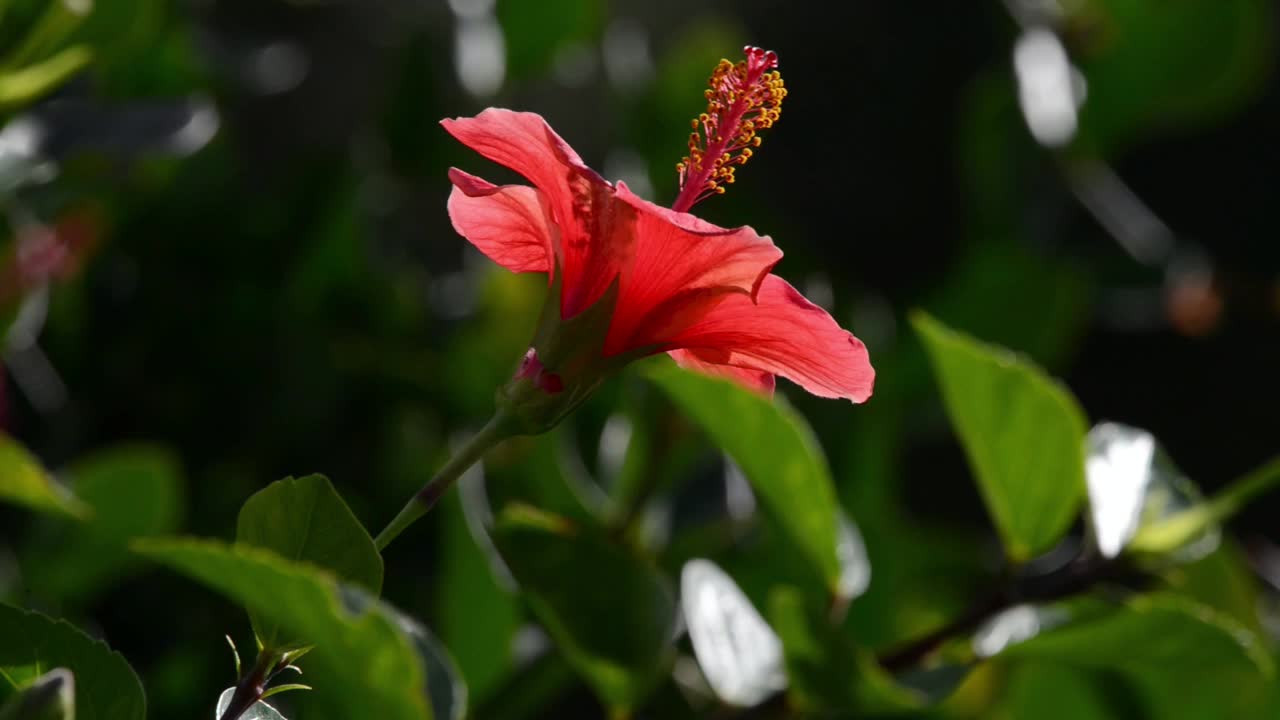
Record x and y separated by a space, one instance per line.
784 334
680 267
508 223
757 380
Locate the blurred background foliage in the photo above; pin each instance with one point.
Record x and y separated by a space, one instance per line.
226 260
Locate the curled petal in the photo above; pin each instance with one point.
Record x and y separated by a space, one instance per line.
523 142
593 246
509 224
784 334
679 268
761 382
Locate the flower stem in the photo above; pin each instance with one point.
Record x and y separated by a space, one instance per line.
494 432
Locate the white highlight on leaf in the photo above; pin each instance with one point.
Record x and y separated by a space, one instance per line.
1117 472
259 711
1133 484
739 654
1014 625
851 552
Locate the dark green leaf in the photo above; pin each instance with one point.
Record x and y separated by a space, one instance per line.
305 520
1022 432
1151 66
827 673
363 665
25 482
777 451
133 491
611 613
106 687
445 690
477 617
1160 631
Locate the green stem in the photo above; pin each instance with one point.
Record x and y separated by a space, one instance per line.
494 432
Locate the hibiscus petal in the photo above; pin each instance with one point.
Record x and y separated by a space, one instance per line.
523 142
784 334
509 224
679 268
591 249
761 382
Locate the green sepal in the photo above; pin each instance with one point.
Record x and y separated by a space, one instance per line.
571 349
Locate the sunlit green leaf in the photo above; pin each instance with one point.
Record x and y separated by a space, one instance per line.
776 450
305 520
1176 530
1022 432
106 688
24 481
363 665
31 82
60 19
612 614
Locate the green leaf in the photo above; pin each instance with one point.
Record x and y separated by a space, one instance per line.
1158 631
612 614
1052 691
132 491
25 482
363 665
1151 66
1177 530
31 644
827 673
18 87
477 617
1022 432
305 520
777 452
445 688
59 20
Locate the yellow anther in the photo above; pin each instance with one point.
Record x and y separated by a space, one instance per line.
742 98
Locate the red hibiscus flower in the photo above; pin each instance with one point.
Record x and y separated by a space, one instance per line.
656 279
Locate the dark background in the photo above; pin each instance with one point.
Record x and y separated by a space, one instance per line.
289 297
